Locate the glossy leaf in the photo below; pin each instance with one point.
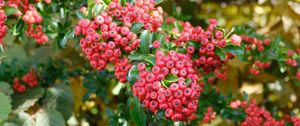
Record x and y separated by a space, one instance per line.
144 43
218 51
5 106
133 74
136 111
70 34
234 49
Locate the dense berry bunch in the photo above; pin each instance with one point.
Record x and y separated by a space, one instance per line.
179 99
209 115
31 17
257 116
29 79
257 66
3 27
208 39
143 11
105 41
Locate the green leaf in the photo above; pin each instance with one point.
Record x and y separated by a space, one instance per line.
136 112
158 1
282 66
133 74
144 46
236 115
218 51
70 34
60 97
195 44
136 27
49 117
138 57
10 10
5 106
170 78
97 9
80 15
6 88
123 2
161 38
188 81
25 100
234 49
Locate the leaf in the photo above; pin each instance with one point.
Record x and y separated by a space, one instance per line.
5 106
161 38
195 44
133 74
137 57
6 88
158 1
236 115
136 112
25 100
10 10
136 27
123 2
234 49
60 97
144 46
49 117
170 78
70 34
282 66
80 15
219 52
97 9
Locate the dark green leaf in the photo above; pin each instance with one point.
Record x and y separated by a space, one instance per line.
10 10
70 34
195 44
234 49
144 46
136 112
218 51
136 27
133 74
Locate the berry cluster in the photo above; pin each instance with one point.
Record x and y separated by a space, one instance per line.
31 17
114 40
209 115
257 66
3 27
180 98
259 117
143 11
208 39
253 43
29 79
